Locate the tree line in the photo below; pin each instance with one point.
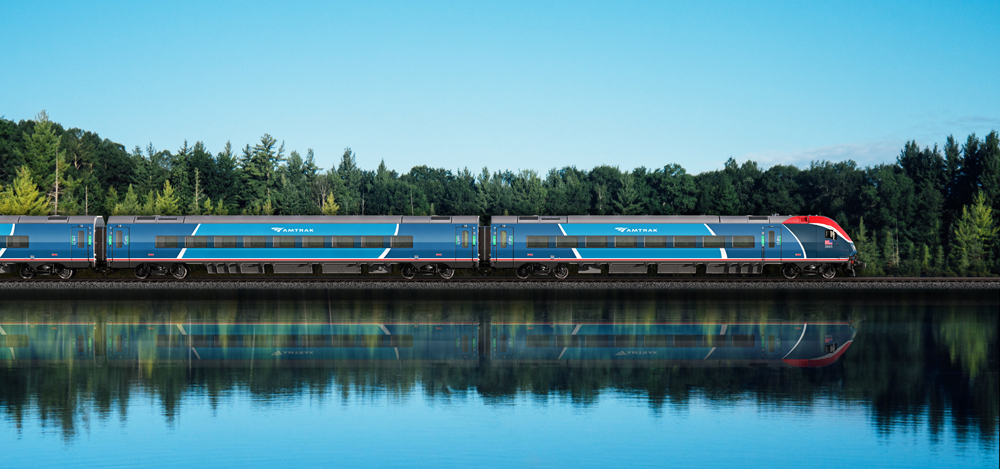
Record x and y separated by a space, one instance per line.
934 211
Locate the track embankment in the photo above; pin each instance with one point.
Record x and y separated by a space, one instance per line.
503 283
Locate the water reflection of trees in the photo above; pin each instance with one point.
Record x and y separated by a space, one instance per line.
916 361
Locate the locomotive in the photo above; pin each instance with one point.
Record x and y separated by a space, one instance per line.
421 245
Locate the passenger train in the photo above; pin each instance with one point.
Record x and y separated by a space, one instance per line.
435 245
691 344
316 344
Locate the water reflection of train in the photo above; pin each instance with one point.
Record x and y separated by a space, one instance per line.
292 344
768 344
570 343
27 343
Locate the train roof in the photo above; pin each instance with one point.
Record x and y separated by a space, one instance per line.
66 220
593 219
272 219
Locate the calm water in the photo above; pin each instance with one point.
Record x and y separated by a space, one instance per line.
536 379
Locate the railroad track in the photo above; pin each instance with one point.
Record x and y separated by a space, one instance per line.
494 279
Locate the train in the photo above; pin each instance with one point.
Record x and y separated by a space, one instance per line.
529 246
718 344
771 344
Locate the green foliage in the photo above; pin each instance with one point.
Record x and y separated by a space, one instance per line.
330 206
22 197
925 214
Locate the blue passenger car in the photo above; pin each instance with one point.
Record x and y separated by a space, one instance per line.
714 344
294 344
24 343
54 245
293 244
670 244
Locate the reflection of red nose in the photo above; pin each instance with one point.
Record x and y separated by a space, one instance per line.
821 361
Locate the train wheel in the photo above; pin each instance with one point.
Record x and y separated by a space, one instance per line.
790 271
561 271
408 271
523 271
828 271
66 273
26 271
446 272
141 271
179 271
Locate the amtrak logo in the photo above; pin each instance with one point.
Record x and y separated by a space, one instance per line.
635 230
292 230
627 352
280 353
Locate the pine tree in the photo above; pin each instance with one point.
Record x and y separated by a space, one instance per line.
166 202
195 208
22 197
626 200
330 206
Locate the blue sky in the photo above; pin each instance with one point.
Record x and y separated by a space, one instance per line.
512 85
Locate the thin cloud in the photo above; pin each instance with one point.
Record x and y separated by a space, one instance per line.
865 154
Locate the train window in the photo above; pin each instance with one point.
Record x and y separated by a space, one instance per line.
596 341
503 238
225 241
595 241
683 241
372 242
165 241
465 239
402 341
81 239
343 241
161 341
626 241
537 340
283 340
743 241
401 241
255 241
567 340
656 341
770 343
313 242
830 234
13 341
714 340
314 341
538 241
283 241
744 341
626 341
17 241
196 241
118 239
567 241
201 340
770 239
714 242
342 341
655 242
686 340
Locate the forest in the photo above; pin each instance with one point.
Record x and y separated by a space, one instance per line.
933 212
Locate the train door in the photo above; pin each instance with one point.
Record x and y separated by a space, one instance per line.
118 255
80 241
466 345
503 244
771 244
770 341
465 244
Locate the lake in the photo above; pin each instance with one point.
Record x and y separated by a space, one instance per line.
527 378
